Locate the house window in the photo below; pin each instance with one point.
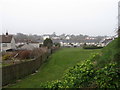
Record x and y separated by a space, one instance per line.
4 45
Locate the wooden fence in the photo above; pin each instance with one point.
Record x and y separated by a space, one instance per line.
17 71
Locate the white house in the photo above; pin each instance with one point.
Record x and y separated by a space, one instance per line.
7 42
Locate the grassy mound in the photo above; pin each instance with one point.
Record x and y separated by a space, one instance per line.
110 53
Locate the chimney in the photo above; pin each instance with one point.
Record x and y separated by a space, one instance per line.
6 33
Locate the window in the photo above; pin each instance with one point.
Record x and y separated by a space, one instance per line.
4 45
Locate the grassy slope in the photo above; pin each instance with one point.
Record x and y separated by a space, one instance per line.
108 53
55 67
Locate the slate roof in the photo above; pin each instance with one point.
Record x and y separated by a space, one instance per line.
5 38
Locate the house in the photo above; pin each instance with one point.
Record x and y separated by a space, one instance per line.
67 37
7 42
27 47
35 44
27 44
106 41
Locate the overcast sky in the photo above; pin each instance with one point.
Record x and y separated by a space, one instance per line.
90 17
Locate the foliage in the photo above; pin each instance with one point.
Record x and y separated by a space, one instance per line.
18 56
24 54
84 75
36 52
48 43
79 76
57 44
108 77
91 47
6 57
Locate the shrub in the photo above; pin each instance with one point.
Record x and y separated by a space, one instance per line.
57 44
36 52
24 54
48 43
92 47
108 77
6 57
85 75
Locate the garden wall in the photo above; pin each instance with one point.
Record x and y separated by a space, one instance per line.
17 71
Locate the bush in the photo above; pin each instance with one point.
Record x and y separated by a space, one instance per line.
24 54
57 44
48 43
85 75
6 57
36 52
92 47
108 77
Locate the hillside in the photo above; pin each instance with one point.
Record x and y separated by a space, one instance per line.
110 53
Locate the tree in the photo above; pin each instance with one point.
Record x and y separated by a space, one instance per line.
57 44
48 43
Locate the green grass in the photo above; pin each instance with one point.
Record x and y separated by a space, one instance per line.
109 53
55 67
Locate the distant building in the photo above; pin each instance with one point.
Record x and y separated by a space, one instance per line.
67 37
106 41
7 42
56 37
27 43
27 47
89 38
44 37
35 44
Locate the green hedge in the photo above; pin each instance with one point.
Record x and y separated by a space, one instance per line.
91 47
